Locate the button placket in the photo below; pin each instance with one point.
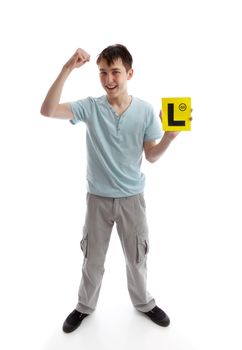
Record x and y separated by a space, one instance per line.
118 125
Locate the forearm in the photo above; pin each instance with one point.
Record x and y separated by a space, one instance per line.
53 96
157 151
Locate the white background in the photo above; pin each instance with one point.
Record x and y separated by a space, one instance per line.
193 194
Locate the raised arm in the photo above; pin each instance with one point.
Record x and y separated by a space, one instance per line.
51 107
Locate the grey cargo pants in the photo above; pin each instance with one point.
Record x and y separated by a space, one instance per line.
129 215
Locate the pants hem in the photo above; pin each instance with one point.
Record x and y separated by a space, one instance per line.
147 307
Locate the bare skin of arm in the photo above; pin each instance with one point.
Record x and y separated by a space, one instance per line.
51 107
153 150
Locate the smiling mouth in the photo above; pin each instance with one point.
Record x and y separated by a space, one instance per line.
110 88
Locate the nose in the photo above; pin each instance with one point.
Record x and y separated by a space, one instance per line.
109 78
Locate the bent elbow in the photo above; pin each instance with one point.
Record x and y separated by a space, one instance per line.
45 112
151 159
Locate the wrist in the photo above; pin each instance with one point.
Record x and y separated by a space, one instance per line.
66 70
170 135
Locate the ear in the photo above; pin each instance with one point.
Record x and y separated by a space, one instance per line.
130 74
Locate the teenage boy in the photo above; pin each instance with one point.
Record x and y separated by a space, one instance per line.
119 128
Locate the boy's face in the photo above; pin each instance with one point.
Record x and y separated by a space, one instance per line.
114 78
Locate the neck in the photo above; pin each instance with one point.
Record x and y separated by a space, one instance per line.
120 101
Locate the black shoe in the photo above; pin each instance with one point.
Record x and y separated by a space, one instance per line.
73 321
158 316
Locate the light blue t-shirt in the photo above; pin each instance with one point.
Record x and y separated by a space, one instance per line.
115 144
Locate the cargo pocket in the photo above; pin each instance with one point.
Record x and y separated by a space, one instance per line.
84 242
142 248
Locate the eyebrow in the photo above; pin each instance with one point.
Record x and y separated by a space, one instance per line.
104 70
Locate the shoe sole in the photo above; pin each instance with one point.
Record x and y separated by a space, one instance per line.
161 324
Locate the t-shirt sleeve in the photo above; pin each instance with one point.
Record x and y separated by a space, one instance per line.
81 110
153 130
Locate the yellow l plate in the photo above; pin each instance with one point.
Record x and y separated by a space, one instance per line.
176 113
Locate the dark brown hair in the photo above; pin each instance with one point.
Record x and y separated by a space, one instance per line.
114 52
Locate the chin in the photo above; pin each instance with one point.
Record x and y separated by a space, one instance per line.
112 94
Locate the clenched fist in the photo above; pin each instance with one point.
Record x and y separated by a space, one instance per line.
79 58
